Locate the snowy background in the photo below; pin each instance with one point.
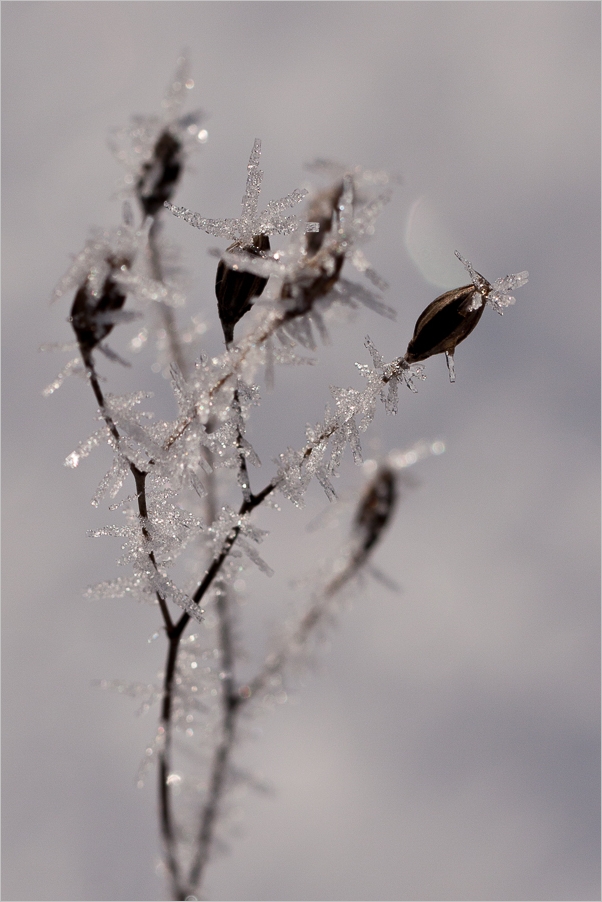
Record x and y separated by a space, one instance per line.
448 745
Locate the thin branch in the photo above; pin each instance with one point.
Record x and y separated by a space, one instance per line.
167 313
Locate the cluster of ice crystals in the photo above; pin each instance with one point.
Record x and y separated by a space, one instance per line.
214 409
151 545
139 440
230 522
354 410
390 375
148 692
136 587
497 295
147 289
75 367
251 223
92 264
84 448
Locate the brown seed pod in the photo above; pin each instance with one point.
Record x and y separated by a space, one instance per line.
447 321
89 313
236 289
375 509
160 174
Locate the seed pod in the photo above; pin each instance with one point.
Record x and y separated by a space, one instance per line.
89 318
375 510
160 174
235 289
445 323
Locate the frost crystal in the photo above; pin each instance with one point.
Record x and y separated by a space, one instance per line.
84 448
251 223
497 295
391 374
91 266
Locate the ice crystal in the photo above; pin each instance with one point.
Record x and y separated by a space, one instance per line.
113 480
92 265
147 289
312 281
251 223
84 448
136 587
497 295
229 524
74 367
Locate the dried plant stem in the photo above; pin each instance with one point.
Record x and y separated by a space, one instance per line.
139 479
230 701
167 314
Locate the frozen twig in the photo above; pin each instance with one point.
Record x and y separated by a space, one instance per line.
114 279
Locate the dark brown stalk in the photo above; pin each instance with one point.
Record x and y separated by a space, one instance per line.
230 701
174 633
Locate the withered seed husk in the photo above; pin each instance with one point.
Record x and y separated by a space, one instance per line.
86 311
235 289
375 508
160 174
444 324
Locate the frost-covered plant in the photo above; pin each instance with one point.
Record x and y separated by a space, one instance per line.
180 501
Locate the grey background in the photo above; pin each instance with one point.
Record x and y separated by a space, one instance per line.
448 746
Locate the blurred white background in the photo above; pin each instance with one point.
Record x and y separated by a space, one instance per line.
448 747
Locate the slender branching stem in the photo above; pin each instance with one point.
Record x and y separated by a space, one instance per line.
167 314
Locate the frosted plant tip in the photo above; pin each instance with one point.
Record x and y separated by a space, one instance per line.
497 295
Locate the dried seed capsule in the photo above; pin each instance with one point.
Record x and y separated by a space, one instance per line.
235 289
160 174
445 323
90 315
374 512
375 509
